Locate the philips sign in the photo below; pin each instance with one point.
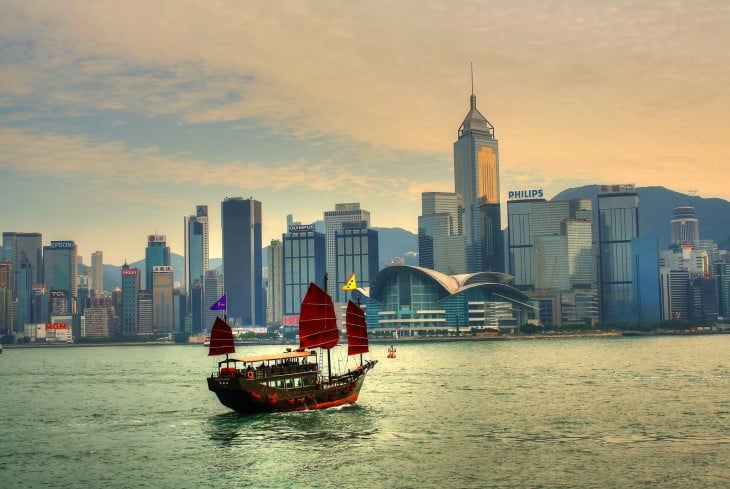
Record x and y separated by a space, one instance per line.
525 194
62 245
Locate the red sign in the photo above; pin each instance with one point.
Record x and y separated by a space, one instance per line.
290 320
56 326
129 271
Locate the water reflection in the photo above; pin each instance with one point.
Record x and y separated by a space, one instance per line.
321 426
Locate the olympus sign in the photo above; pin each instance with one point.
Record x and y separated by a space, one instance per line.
301 228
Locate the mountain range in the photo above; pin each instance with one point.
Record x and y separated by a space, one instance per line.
656 205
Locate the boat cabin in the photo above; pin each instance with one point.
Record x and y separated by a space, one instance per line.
281 370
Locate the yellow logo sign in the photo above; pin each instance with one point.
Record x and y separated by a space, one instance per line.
351 284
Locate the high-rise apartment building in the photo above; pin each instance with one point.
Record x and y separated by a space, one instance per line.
441 244
618 224
304 257
130 297
356 249
274 286
144 312
157 254
685 226
333 222
242 261
97 272
476 182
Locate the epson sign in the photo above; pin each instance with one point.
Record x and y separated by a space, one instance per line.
62 244
536 193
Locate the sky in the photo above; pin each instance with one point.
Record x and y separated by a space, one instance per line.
118 118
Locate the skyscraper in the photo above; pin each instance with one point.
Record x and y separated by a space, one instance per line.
441 244
685 226
618 224
97 272
550 244
274 286
304 259
6 297
721 270
130 296
356 249
157 254
162 305
476 182
213 287
196 247
242 260
28 245
333 221
60 275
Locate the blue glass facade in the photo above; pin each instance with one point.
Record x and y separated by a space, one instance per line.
647 295
305 260
356 251
242 261
618 224
156 254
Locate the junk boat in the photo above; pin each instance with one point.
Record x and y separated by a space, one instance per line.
293 380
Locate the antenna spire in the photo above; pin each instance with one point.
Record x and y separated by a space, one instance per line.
471 66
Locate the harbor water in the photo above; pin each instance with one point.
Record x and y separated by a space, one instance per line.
585 412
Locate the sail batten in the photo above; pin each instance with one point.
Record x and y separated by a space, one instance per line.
357 330
221 339
317 320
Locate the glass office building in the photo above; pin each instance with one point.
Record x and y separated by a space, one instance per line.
304 261
242 261
476 182
618 224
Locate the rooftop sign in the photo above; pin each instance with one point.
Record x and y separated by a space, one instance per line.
535 193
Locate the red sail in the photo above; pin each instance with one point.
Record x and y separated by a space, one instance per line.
357 330
221 339
317 321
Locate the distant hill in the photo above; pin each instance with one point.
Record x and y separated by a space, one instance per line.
395 243
656 205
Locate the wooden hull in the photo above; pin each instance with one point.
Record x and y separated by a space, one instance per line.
246 395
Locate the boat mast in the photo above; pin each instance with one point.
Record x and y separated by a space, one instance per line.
329 360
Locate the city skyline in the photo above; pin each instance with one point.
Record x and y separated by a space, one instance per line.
115 125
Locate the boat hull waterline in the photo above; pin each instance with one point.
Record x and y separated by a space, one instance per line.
245 395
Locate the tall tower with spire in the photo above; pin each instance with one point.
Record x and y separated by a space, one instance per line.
476 181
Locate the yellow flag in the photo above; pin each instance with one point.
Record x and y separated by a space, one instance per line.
351 284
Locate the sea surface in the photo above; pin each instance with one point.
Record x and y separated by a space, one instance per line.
591 412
